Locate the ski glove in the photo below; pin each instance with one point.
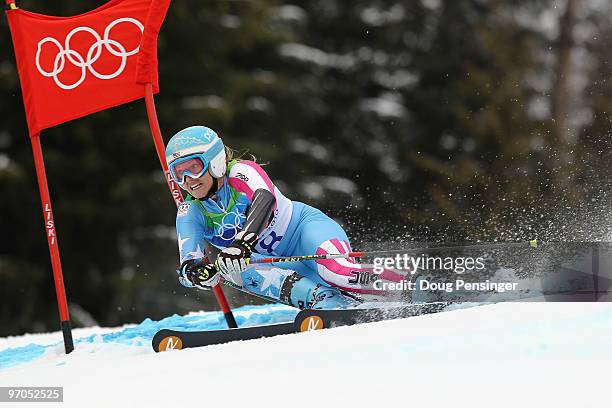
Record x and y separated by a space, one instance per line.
197 272
234 259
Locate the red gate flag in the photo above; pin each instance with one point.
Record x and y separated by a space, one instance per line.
70 67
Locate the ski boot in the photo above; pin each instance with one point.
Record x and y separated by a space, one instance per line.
303 293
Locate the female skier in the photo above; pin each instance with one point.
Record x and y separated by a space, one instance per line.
234 213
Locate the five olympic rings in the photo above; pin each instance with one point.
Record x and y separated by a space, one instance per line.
64 52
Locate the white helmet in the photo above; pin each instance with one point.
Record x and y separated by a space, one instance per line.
196 142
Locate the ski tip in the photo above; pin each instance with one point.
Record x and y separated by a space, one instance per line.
533 243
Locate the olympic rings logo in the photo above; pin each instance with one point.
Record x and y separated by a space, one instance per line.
86 64
229 227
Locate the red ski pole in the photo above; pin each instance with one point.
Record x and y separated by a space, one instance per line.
358 254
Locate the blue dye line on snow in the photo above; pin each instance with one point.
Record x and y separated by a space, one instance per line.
141 334
19 355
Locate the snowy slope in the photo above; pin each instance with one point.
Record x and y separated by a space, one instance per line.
34 347
503 355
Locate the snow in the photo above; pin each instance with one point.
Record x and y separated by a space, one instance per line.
377 17
316 56
397 79
291 12
315 150
259 103
5 161
203 102
386 105
30 348
316 189
502 355
230 21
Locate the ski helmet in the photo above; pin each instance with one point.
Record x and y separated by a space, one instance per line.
196 142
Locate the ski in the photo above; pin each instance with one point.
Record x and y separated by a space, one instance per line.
167 339
309 319
306 320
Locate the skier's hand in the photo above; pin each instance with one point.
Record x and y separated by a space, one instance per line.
197 272
234 259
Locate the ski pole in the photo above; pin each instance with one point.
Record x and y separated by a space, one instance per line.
358 254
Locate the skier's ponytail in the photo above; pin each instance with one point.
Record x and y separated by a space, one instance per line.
233 154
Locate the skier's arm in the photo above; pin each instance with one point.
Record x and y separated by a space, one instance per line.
195 269
260 212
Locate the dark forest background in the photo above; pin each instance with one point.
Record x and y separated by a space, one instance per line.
468 120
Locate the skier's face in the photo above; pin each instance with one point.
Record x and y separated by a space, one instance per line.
198 187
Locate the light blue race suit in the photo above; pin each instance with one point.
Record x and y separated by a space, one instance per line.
295 229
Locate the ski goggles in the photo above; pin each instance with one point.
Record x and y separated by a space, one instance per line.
193 166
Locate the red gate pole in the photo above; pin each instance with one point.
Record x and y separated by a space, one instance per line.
60 291
176 193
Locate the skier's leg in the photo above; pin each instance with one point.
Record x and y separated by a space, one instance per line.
288 286
322 235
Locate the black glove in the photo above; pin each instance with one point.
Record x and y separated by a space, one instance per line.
197 272
234 259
